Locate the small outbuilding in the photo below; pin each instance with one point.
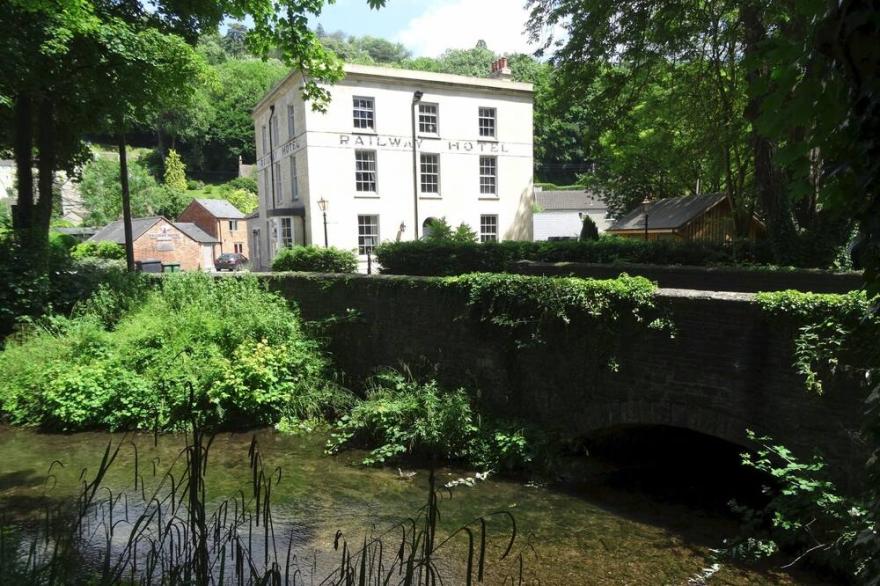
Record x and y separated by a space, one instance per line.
220 219
172 243
560 214
705 218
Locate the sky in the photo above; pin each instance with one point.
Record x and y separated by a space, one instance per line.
428 27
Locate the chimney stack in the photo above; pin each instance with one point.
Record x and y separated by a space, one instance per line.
500 70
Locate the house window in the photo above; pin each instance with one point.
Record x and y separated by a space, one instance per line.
238 247
488 175
291 125
488 228
274 131
487 122
233 225
368 233
286 232
365 171
430 167
265 138
266 185
428 118
277 178
294 181
364 113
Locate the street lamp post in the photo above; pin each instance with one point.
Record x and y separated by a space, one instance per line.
417 97
322 203
645 203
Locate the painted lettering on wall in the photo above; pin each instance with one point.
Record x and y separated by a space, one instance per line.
396 142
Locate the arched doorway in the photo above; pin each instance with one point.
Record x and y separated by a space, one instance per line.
428 228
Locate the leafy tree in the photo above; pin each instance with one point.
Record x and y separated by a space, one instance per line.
234 42
175 172
102 193
464 233
244 200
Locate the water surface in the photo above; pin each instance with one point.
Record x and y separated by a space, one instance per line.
588 534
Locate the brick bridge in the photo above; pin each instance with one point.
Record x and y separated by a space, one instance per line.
728 368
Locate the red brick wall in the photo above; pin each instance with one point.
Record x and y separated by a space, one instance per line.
166 243
218 228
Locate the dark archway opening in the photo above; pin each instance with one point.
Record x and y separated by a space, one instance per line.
669 464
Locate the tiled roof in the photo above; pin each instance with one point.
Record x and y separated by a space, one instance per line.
569 200
669 213
220 208
195 232
115 231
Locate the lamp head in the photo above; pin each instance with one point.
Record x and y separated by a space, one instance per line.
417 96
322 203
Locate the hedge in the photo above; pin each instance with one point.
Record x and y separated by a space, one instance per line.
315 259
451 258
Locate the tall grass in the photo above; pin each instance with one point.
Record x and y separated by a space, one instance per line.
170 535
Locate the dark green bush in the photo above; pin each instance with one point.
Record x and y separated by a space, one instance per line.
246 183
225 349
89 249
589 230
315 260
455 258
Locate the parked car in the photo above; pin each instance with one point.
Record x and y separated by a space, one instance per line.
230 261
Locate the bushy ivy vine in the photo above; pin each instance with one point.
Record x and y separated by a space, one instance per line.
831 332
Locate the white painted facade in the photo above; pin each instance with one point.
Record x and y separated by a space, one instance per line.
482 180
566 223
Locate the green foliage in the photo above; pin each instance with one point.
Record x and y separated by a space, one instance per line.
108 250
223 347
589 230
454 258
175 172
245 183
102 193
315 259
439 230
832 333
246 201
526 305
805 512
402 416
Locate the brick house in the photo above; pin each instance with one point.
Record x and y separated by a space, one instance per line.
220 219
156 238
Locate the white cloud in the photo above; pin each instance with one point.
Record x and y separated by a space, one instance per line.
459 24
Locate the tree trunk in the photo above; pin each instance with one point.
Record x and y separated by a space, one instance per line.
771 196
126 203
22 218
42 217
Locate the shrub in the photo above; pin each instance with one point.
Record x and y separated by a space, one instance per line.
315 259
589 230
455 258
194 184
245 183
401 416
105 249
226 350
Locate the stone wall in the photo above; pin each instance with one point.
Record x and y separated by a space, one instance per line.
166 243
704 278
727 367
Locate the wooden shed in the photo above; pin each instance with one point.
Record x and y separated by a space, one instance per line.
705 218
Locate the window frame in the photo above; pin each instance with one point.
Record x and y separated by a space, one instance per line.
436 115
372 222
375 171
233 225
275 132
488 235
238 248
265 139
294 179
484 185
291 121
285 226
355 108
481 117
278 186
435 173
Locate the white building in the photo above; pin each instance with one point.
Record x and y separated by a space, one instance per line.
560 214
473 151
